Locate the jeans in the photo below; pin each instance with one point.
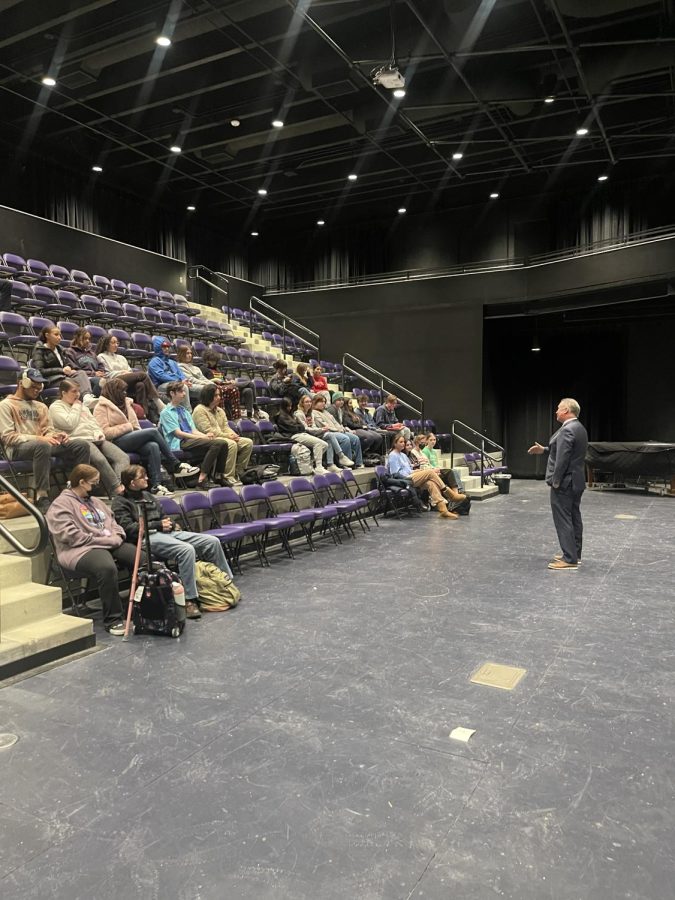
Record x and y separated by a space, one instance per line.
210 454
186 548
73 453
152 448
315 445
353 447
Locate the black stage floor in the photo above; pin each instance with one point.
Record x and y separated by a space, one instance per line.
298 747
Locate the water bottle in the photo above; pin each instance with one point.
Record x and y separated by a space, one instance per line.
179 600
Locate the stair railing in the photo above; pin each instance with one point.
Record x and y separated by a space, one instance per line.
493 445
43 531
207 276
282 320
378 380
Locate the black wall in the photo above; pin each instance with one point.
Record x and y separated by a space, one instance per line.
31 236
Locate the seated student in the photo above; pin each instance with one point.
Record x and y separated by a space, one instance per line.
167 540
459 502
283 384
349 443
301 379
371 441
292 428
192 375
305 416
164 371
70 415
27 434
385 417
140 388
88 540
115 414
318 384
209 417
364 415
232 396
178 427
399 466
49 359
81 356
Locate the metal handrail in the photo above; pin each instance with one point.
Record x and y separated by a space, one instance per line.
315 344
193 273
468 443
43 531
380 384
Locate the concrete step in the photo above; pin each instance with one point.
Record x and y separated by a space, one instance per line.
54 638
26 604
482 493
14 570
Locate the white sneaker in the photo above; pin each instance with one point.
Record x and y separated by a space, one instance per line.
185 470
319 470
345 461
160 491
332 468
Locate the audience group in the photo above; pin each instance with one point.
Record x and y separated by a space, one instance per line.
95 423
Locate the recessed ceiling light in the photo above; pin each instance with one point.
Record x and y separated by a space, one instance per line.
48 81
320 222
176 149
603 177
235 123
96 169
582 131
352 177
255 233
262 192
277 123
494 195
399 92
549 99
402 210
191 208
163 41
457 155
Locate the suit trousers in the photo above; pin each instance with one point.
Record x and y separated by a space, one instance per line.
566 509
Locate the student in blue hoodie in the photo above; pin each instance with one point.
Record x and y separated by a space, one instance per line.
163 370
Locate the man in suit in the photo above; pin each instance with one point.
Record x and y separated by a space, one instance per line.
566 477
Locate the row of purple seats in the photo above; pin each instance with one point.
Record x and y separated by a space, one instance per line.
35 271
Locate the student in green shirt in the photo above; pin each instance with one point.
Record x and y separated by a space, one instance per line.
426 443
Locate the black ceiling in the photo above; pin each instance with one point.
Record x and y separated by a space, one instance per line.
477 74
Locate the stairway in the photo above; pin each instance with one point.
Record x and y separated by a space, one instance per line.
33 629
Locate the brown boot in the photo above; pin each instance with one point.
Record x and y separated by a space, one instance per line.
454 494
442 508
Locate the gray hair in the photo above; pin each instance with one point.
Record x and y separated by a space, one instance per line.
571 405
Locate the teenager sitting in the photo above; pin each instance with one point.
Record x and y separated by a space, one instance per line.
167 540
70 415
318 383
82 356
305 416
163 370
178 427
209 417
349 443
89 541
50 360
115 413
399 466
371 441
140 388
292 428
386 419
424 446
233 398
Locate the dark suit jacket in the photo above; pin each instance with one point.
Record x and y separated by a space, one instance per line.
566 455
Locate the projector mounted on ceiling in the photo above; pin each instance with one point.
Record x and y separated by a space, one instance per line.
389 77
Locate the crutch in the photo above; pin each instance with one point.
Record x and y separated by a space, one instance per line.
134 578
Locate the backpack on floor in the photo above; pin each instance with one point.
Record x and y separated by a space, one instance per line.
258 474
300 461
155 610
217 592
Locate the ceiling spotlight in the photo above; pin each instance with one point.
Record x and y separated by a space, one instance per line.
582 131
277 123
535 348
603 177
457 155
191 208
549 99
176 149
352 177
163 41
48 81
494 195
262 192
255 233
399 92
320 222
235 123
402 210
96 169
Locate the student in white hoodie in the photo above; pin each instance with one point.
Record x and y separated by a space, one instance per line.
70 415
